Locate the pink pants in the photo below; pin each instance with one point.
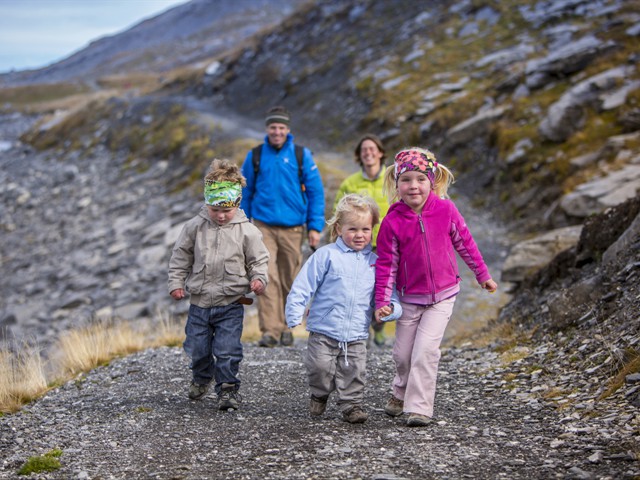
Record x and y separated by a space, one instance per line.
416 353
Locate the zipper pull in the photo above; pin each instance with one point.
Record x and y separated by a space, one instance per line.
421 225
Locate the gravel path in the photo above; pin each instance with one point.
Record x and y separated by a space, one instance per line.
132 420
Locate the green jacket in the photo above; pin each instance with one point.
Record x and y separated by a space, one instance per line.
357 183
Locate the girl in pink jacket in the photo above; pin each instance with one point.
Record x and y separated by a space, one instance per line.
417 242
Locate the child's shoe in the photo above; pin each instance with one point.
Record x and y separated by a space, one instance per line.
394 407
418 420
317 405
355 415
198 390
229 398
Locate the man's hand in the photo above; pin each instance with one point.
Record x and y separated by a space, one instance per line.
314 238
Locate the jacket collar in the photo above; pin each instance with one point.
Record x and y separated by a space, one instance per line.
343 246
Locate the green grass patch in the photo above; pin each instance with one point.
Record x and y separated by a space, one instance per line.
48 462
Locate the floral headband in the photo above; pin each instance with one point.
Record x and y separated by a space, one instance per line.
222 194
416 160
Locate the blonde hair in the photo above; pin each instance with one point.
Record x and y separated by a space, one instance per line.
223 170
443 178
352 204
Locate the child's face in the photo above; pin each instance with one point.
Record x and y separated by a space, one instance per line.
221 215
356 231
413 189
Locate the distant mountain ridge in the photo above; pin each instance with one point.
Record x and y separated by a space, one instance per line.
186 34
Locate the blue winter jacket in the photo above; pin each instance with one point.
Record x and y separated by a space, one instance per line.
340 281
276 198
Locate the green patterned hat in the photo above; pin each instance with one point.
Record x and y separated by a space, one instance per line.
222 194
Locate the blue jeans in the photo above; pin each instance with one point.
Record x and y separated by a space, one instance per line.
215 332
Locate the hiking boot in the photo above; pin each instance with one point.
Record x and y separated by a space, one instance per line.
379 338
355 415
267 341
286 339
394 407
198 390
418 420
229 397
317 405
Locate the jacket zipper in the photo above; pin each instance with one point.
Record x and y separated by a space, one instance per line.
426 246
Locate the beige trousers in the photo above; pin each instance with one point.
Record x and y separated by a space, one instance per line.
285 259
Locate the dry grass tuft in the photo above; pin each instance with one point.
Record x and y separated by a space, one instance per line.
95 345
22 377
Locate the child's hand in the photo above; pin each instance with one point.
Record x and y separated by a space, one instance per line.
257 286
177 294
489 285
383 312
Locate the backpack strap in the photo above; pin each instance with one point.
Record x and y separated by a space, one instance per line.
256 152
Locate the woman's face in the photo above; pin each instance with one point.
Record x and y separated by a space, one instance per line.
370 154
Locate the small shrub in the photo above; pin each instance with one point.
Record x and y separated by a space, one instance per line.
43 463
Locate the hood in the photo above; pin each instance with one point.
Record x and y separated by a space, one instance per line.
239 217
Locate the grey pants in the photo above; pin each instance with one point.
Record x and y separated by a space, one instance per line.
329 370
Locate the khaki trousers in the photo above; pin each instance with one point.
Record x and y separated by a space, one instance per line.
330 368
285 259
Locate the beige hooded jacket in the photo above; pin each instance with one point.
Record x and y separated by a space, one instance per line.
215 264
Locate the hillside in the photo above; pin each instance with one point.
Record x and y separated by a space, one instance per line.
535 107
188 34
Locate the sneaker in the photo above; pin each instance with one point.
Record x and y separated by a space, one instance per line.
286 339
355 415
379 338
394 407
198 390
418 420
267 341
229 397
317 405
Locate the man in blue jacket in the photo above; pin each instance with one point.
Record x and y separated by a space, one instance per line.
284 194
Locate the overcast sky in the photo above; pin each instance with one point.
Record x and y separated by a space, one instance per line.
36 33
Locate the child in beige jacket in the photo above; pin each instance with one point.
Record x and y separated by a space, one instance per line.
218 258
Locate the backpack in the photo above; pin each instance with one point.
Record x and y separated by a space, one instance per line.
257 152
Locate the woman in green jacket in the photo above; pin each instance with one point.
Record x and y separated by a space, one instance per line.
369 154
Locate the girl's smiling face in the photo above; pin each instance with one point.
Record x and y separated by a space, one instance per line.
356 231
413 188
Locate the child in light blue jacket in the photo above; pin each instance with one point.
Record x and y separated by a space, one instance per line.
340 278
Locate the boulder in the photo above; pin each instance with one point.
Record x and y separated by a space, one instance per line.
603 192
530 256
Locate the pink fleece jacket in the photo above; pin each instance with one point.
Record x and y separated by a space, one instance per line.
416 253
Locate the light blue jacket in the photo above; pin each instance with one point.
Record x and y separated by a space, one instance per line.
340 281
276 196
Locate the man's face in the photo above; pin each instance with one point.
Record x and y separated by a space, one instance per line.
277 133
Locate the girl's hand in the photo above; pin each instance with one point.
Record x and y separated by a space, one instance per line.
177 294
257 286
383 312
489 285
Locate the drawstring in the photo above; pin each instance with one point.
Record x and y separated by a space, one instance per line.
343 346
